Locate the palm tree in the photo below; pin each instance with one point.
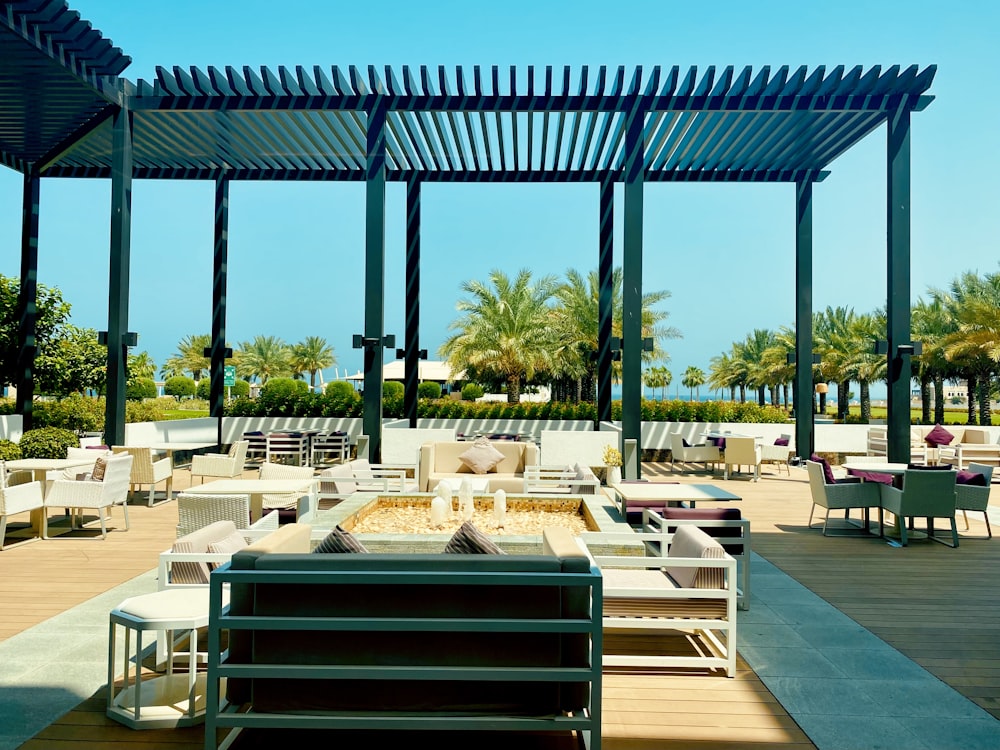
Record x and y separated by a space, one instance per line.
141 365
311 355
658 377
693 378
723 373
575 316
189 357
264 357
505 329
931 324
751 351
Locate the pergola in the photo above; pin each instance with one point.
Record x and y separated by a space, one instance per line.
65 112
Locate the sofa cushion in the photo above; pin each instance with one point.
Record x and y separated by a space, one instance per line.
582 472
710 514
343 479
197 542
827 471
970 477
938 436
692 542
339 540
228 545
482 457
781 441
469 540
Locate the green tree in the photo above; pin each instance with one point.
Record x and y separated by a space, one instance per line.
658 377
73 363
504 329
693 379
311 355
931 324
52 313
180 386
189 357
265 357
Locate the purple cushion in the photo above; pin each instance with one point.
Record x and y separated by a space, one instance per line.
721 444
827 471
781 441
938 436
970 477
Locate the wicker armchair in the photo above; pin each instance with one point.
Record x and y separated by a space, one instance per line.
776 454
972 497
147 471
222 465
273 501
844 496
88 494
196 511
926 494
19 498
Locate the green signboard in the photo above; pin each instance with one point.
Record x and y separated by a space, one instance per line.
230 376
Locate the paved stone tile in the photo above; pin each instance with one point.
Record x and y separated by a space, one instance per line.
860 733
790 662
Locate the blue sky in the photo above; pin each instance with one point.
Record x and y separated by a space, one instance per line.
725 252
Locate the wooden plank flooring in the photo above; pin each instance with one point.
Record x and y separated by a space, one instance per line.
938 606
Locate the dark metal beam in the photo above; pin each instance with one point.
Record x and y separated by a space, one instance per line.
220 273
632 285
411 331
605 311
27 298
802 394
118 280
898 283
374 277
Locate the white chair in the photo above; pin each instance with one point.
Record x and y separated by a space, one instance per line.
195 511
740 452
91 494
330 445
706 454
222 465
149 470
275 501
19 498
290 446
777 454
339 482
569 480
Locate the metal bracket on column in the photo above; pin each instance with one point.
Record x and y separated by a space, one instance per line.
618 344
373 342
227 352
401 354
790 358
128 339
914 349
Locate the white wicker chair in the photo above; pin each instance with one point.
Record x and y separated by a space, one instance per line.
274 501
196 511
147 471
222 465
19 498
88 494
707 454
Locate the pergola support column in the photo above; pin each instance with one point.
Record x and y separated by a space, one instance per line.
118 283
374 277
898 283
411 362
27 299
605 297
802 394
220 272
632 345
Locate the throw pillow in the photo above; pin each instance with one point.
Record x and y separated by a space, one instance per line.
827 471
337 541
970 477
98 473
482 457
938 436
469 540
685 443
228 545
781 441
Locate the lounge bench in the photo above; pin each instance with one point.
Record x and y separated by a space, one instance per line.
354 641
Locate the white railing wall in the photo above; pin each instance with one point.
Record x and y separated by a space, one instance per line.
11 427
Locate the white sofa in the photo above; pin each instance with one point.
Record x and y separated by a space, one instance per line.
442 460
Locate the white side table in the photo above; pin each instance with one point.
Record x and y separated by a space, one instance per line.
167 700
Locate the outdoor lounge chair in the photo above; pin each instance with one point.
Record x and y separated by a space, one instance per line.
740 452
91 494
926 493
707 454
975 497
223 465
841 496
288 502
147 469
19 498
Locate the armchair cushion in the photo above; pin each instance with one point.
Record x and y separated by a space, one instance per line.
827 471
470 540
198 542
482 457
781 441
970 477
339 540
692 542
938 436
100 465
228 545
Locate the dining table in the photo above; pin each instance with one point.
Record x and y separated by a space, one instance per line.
256 489
864 470
665 494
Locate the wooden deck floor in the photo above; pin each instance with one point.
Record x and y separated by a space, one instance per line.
937 605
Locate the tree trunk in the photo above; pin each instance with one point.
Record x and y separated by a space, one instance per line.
732 393
784 394
866 403
514 389
761 401
971 396
822 404
925 399
938 399
842 388
985 414
743 393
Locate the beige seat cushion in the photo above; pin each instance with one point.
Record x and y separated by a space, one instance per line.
197 542
692 542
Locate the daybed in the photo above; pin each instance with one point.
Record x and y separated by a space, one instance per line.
967 444
379 642
442 460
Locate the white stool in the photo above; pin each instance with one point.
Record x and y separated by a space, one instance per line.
163 700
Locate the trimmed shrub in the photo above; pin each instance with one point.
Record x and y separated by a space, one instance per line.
392 398
280 395
340 388
143 411
179 386
140 389
240 389
75 412
472 391
429 389
9 450
47 442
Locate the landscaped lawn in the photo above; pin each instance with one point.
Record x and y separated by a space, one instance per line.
184 413
952 415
